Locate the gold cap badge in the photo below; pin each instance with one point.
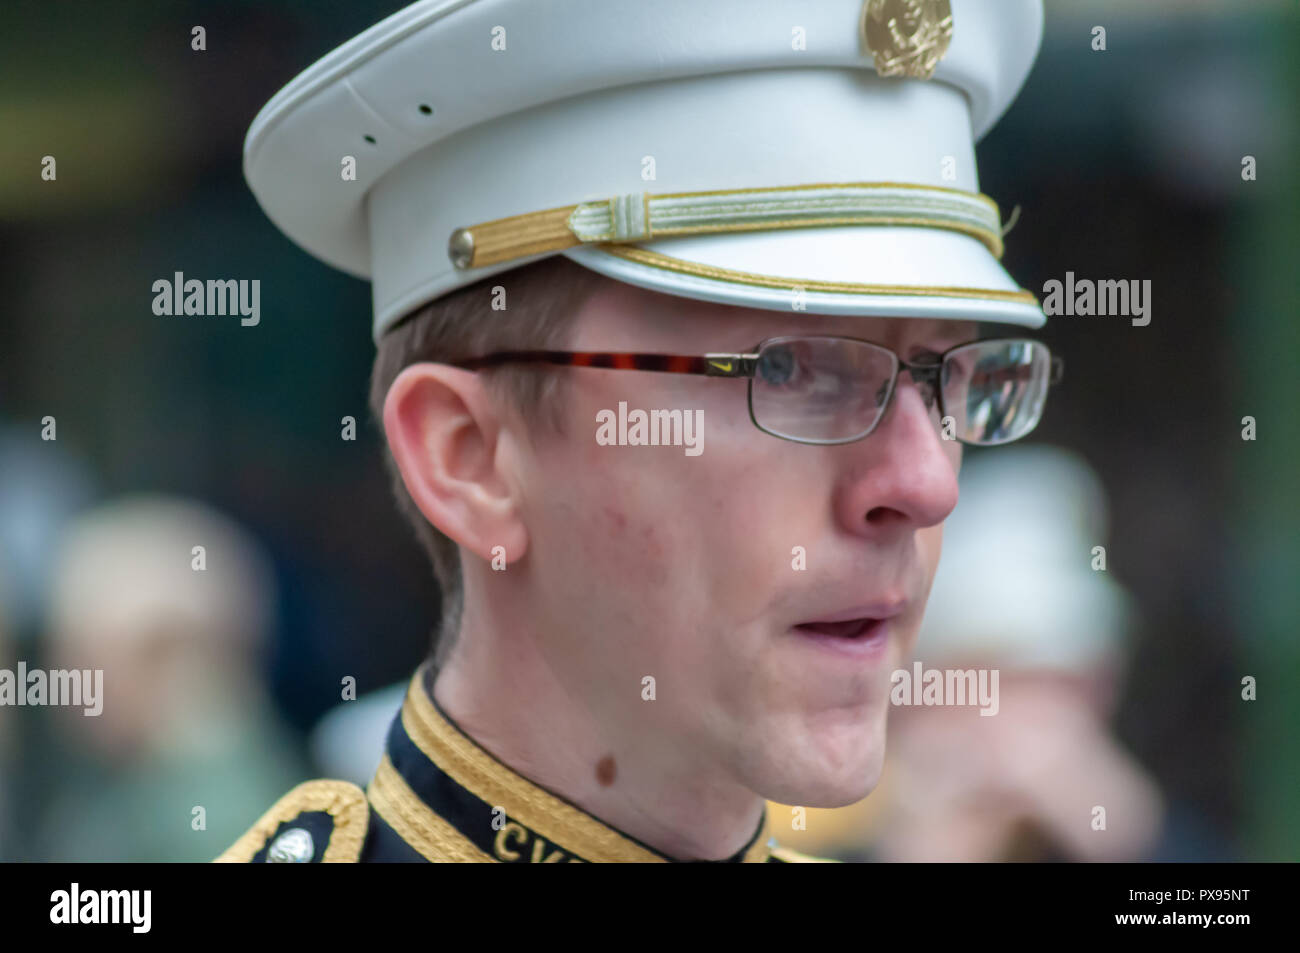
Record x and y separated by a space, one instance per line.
907 37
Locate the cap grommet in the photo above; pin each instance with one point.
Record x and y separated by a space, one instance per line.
461 247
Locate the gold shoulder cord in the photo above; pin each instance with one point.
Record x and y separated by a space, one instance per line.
343 801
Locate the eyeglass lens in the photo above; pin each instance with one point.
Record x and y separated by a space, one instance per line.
834 390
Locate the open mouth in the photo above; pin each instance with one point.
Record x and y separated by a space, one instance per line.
861 633
848 629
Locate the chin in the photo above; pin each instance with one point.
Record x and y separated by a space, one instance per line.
832 768
823 792
842 791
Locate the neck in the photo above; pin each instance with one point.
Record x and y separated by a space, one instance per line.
502 692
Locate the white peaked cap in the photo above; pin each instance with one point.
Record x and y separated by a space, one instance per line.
810 156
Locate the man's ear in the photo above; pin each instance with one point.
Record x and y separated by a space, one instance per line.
445 437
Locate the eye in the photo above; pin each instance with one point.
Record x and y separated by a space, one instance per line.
776 366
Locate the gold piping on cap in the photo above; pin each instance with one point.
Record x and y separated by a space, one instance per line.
659 260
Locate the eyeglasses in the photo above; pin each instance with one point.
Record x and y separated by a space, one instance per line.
831 390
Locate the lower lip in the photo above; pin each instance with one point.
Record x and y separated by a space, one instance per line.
869 645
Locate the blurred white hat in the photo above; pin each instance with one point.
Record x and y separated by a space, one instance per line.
1015 584
132 562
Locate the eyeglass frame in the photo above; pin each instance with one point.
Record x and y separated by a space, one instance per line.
746 366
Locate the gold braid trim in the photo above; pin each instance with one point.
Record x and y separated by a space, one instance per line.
559 822
343 801
550 230
412 819
504 239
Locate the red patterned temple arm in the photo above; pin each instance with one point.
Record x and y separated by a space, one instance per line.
712 365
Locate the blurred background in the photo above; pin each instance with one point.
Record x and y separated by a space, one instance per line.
1125 163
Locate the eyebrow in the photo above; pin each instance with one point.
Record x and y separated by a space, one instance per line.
946 341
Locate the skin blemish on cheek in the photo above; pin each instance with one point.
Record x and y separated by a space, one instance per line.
616 519
606 770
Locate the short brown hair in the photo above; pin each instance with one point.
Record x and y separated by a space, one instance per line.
541 301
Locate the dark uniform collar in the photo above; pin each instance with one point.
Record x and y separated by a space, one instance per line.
439 796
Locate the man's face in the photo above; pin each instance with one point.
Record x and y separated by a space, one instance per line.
741 579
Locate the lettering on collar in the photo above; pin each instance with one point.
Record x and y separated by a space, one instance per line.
516 844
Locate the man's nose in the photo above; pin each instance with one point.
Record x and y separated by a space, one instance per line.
905 474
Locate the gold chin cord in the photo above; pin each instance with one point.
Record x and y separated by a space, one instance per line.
640 217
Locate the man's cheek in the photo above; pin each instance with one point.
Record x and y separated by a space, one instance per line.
625 533
773 530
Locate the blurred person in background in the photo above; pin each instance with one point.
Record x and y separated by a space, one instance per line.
1023 589
187 744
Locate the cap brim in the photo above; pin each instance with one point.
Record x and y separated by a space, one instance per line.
898 272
